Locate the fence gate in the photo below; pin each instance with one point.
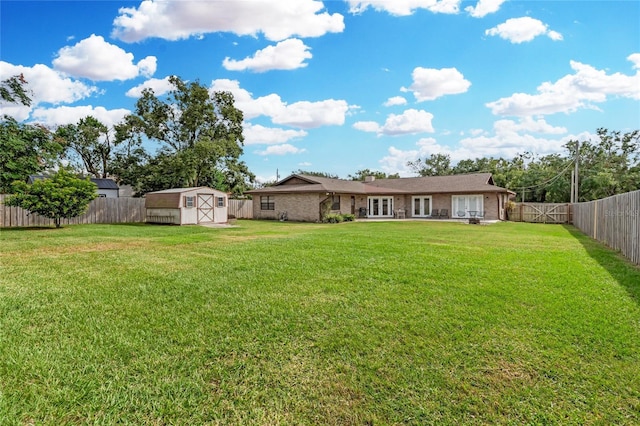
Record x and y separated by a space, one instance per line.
541 212
205 208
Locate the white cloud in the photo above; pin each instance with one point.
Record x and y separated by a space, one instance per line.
572 92
307 115
95 59
527 124
302 114
44 85
509 139
411 121
160 86
396 100
255 134
519 30
429 83
283 149
635 59
367 126
484 7
405 7
174 20
286 55
70 115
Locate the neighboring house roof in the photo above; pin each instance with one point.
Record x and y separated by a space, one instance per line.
105 183
180 190
100 182
474 182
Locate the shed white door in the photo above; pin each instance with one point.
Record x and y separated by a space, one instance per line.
205 208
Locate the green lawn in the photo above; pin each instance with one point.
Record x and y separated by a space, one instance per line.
283 323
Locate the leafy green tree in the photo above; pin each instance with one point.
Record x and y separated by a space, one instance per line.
25 149
318 174
608 166
62 196
200 135
435 165
362 174
12 90
89 140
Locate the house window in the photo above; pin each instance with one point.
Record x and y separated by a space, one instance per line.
189 201
267 202
335 202
220 201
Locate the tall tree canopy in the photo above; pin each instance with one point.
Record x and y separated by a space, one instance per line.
362 175
89 140
13 90
25 149
199 134
608 165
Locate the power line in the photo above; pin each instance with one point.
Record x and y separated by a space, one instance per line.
548 180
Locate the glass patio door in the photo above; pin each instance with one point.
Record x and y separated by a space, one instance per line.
463 204
380 207
421 206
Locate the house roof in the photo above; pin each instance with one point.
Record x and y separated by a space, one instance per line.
105 183
181 190
474 182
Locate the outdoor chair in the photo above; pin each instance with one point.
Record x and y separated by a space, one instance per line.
435 213
444 214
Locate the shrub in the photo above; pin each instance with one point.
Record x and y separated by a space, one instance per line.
348 217
338 218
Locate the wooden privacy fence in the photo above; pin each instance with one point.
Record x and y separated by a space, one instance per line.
614 221
541 212
241 209
101 210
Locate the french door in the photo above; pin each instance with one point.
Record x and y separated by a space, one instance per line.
380 207
421 206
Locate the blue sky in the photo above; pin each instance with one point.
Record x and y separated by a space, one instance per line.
339 86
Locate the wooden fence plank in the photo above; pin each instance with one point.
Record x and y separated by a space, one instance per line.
615 221
241 209
101 210
541 213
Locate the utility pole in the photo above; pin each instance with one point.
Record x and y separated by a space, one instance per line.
573 182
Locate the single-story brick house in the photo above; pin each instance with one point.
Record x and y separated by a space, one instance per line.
306 198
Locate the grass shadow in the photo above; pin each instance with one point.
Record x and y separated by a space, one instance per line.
619 267
29 228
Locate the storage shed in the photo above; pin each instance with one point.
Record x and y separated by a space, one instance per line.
187 206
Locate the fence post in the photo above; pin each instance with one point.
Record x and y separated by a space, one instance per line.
595 220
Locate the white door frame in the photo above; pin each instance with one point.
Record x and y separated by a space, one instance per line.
462 204
380 206
421 207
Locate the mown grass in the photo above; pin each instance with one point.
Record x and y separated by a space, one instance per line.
284 323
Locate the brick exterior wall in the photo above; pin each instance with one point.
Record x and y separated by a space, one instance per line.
299 207
306 207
